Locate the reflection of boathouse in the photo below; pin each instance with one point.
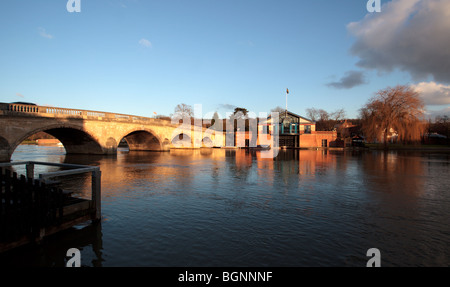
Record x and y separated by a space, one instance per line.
294 131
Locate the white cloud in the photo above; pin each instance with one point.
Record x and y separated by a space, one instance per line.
44 34
20 95
350 80
433 93
410 35
146 43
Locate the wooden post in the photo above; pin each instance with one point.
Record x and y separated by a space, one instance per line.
2 217
96 194
30 170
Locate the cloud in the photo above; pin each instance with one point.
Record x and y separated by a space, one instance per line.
20 95
432 114
226 107
409 35
433 93
146 43
44 34
350 80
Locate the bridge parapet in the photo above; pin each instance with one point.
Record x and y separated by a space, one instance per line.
46 111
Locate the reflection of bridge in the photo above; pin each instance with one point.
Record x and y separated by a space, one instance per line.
92 132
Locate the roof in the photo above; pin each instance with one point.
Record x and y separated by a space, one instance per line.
295 115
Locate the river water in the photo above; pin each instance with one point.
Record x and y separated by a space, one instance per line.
218 207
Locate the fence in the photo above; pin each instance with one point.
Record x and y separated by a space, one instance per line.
27 206
31 209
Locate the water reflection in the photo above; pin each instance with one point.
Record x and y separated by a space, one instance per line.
227 207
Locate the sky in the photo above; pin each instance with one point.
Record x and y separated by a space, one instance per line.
144 57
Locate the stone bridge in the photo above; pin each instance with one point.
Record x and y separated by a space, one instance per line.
93 132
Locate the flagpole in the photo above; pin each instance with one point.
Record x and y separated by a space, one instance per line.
287 92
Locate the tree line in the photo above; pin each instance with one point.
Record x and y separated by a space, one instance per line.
392 113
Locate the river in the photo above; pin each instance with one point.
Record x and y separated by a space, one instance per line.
219 207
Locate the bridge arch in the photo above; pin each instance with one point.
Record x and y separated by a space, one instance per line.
74 138
182 140
207 142
143 140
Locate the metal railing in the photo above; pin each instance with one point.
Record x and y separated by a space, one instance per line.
72 169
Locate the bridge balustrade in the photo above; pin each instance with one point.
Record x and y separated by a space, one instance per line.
24 108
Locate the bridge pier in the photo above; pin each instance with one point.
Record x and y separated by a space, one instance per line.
5 153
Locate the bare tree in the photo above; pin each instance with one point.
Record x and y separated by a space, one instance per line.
183 111
396 110
312 114
323 115
325 121
442 119
278 109
338 115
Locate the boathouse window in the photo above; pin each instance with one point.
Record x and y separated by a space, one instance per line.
307 129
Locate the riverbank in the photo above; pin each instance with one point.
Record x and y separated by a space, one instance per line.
393 147
369 147
419 147
46 142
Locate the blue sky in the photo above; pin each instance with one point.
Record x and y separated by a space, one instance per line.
140 57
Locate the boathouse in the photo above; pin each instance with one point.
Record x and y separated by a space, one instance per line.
294 131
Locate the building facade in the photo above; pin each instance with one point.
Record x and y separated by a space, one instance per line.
294 131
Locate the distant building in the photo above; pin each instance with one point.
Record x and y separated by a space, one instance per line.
349 134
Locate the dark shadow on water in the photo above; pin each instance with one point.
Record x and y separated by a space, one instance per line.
51 252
